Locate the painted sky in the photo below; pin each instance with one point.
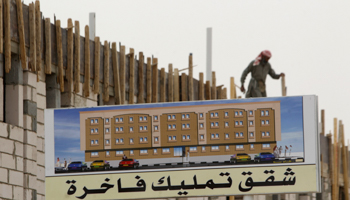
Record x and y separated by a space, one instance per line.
67 122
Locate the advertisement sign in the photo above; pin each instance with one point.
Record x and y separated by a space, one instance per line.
183 149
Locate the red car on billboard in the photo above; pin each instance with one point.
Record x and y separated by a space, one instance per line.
129 163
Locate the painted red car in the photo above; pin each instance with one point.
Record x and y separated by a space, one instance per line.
129 163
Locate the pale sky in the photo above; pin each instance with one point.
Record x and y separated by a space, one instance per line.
308 39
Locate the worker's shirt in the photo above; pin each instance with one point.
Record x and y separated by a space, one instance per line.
259 72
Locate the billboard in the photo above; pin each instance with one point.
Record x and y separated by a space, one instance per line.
183 149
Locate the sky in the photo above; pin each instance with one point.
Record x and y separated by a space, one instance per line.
67 125
308 39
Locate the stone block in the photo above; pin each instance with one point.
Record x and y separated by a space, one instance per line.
28 194
40 197
27 122
32 182
5 191
29 108
3 175
91 103
29 152
30 165
34 123
19 149
15 76
14 104
34 94
40 130
79 101
40 144
40 187
3 130
40 115
41 158
16 133
40 174
2 92
19 163
27 93
18 192
8 161
67 101
7 145
30 137
29 78
53 98
41 88
15 177
41 101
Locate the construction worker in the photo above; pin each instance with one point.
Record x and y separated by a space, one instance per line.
259 68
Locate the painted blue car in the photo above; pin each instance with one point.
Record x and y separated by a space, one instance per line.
77 166
264 157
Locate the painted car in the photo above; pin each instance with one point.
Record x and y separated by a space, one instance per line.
129 163
100 164
264 157
240 157
77 166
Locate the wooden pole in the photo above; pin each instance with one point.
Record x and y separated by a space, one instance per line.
330 158
87 62
176 85
323 122
162 85
184 94
122 74
116 73
47 46
208 91
345 163
106 72
1 27
148 81
170 83
218 92
69 72
32 38
97 54
233 94
22 41
132 76
154 80
335 161
284 89
59 55
7 36
38 21
190 77
213 88
77 57
224 93
140 98
201 86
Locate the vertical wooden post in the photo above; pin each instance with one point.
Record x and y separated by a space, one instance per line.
87 62
59 54
335 161
122 74
284 89
140 98
213 87
77 56
1 27
154 80
170 83
69 72
22 46
116 73
208 91
106 72
345 163
218 92
201 86
47 46
162 85
184 95
149 81
176 85
190 77
97 65
132 76
233 94
32 38
330 158
7 36
322 121
224 93
38 21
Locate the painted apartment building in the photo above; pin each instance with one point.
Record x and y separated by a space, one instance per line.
167 132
